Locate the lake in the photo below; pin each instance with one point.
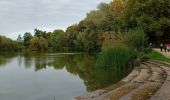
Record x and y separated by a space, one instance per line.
52 76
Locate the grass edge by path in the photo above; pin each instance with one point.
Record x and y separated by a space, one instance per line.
154 55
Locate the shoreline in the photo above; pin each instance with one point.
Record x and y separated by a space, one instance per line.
145 81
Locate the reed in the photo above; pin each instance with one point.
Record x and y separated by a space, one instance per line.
136 39
118 55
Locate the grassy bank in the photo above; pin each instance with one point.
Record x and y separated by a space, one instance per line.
154 55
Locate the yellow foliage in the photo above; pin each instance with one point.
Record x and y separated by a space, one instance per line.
117 6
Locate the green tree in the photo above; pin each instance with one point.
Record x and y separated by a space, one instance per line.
58 40
39 44
72 33
27 37
151 15
79 42
49 39
43 43
40 33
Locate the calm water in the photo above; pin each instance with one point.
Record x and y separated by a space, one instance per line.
33 76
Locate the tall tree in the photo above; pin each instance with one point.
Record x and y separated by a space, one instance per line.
58 40
40 44
72 33
27 38
40 33
151 15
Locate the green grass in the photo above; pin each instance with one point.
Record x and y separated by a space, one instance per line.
154 55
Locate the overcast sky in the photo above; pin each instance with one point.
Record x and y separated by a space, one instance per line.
19 16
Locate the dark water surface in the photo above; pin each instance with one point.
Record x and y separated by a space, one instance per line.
38 76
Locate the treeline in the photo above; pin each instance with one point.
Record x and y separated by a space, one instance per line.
7 44
112 21
43 41
109 24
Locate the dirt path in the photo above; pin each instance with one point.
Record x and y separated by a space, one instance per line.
164 92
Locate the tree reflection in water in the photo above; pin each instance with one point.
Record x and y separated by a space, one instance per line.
94 77
82 65
6 57
37 59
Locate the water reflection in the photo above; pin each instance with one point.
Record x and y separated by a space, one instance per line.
5 57
38 60
82 65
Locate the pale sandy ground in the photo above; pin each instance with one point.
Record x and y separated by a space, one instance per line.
164 92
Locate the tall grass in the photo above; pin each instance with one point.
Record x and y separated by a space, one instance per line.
118 55
136 39
123 53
